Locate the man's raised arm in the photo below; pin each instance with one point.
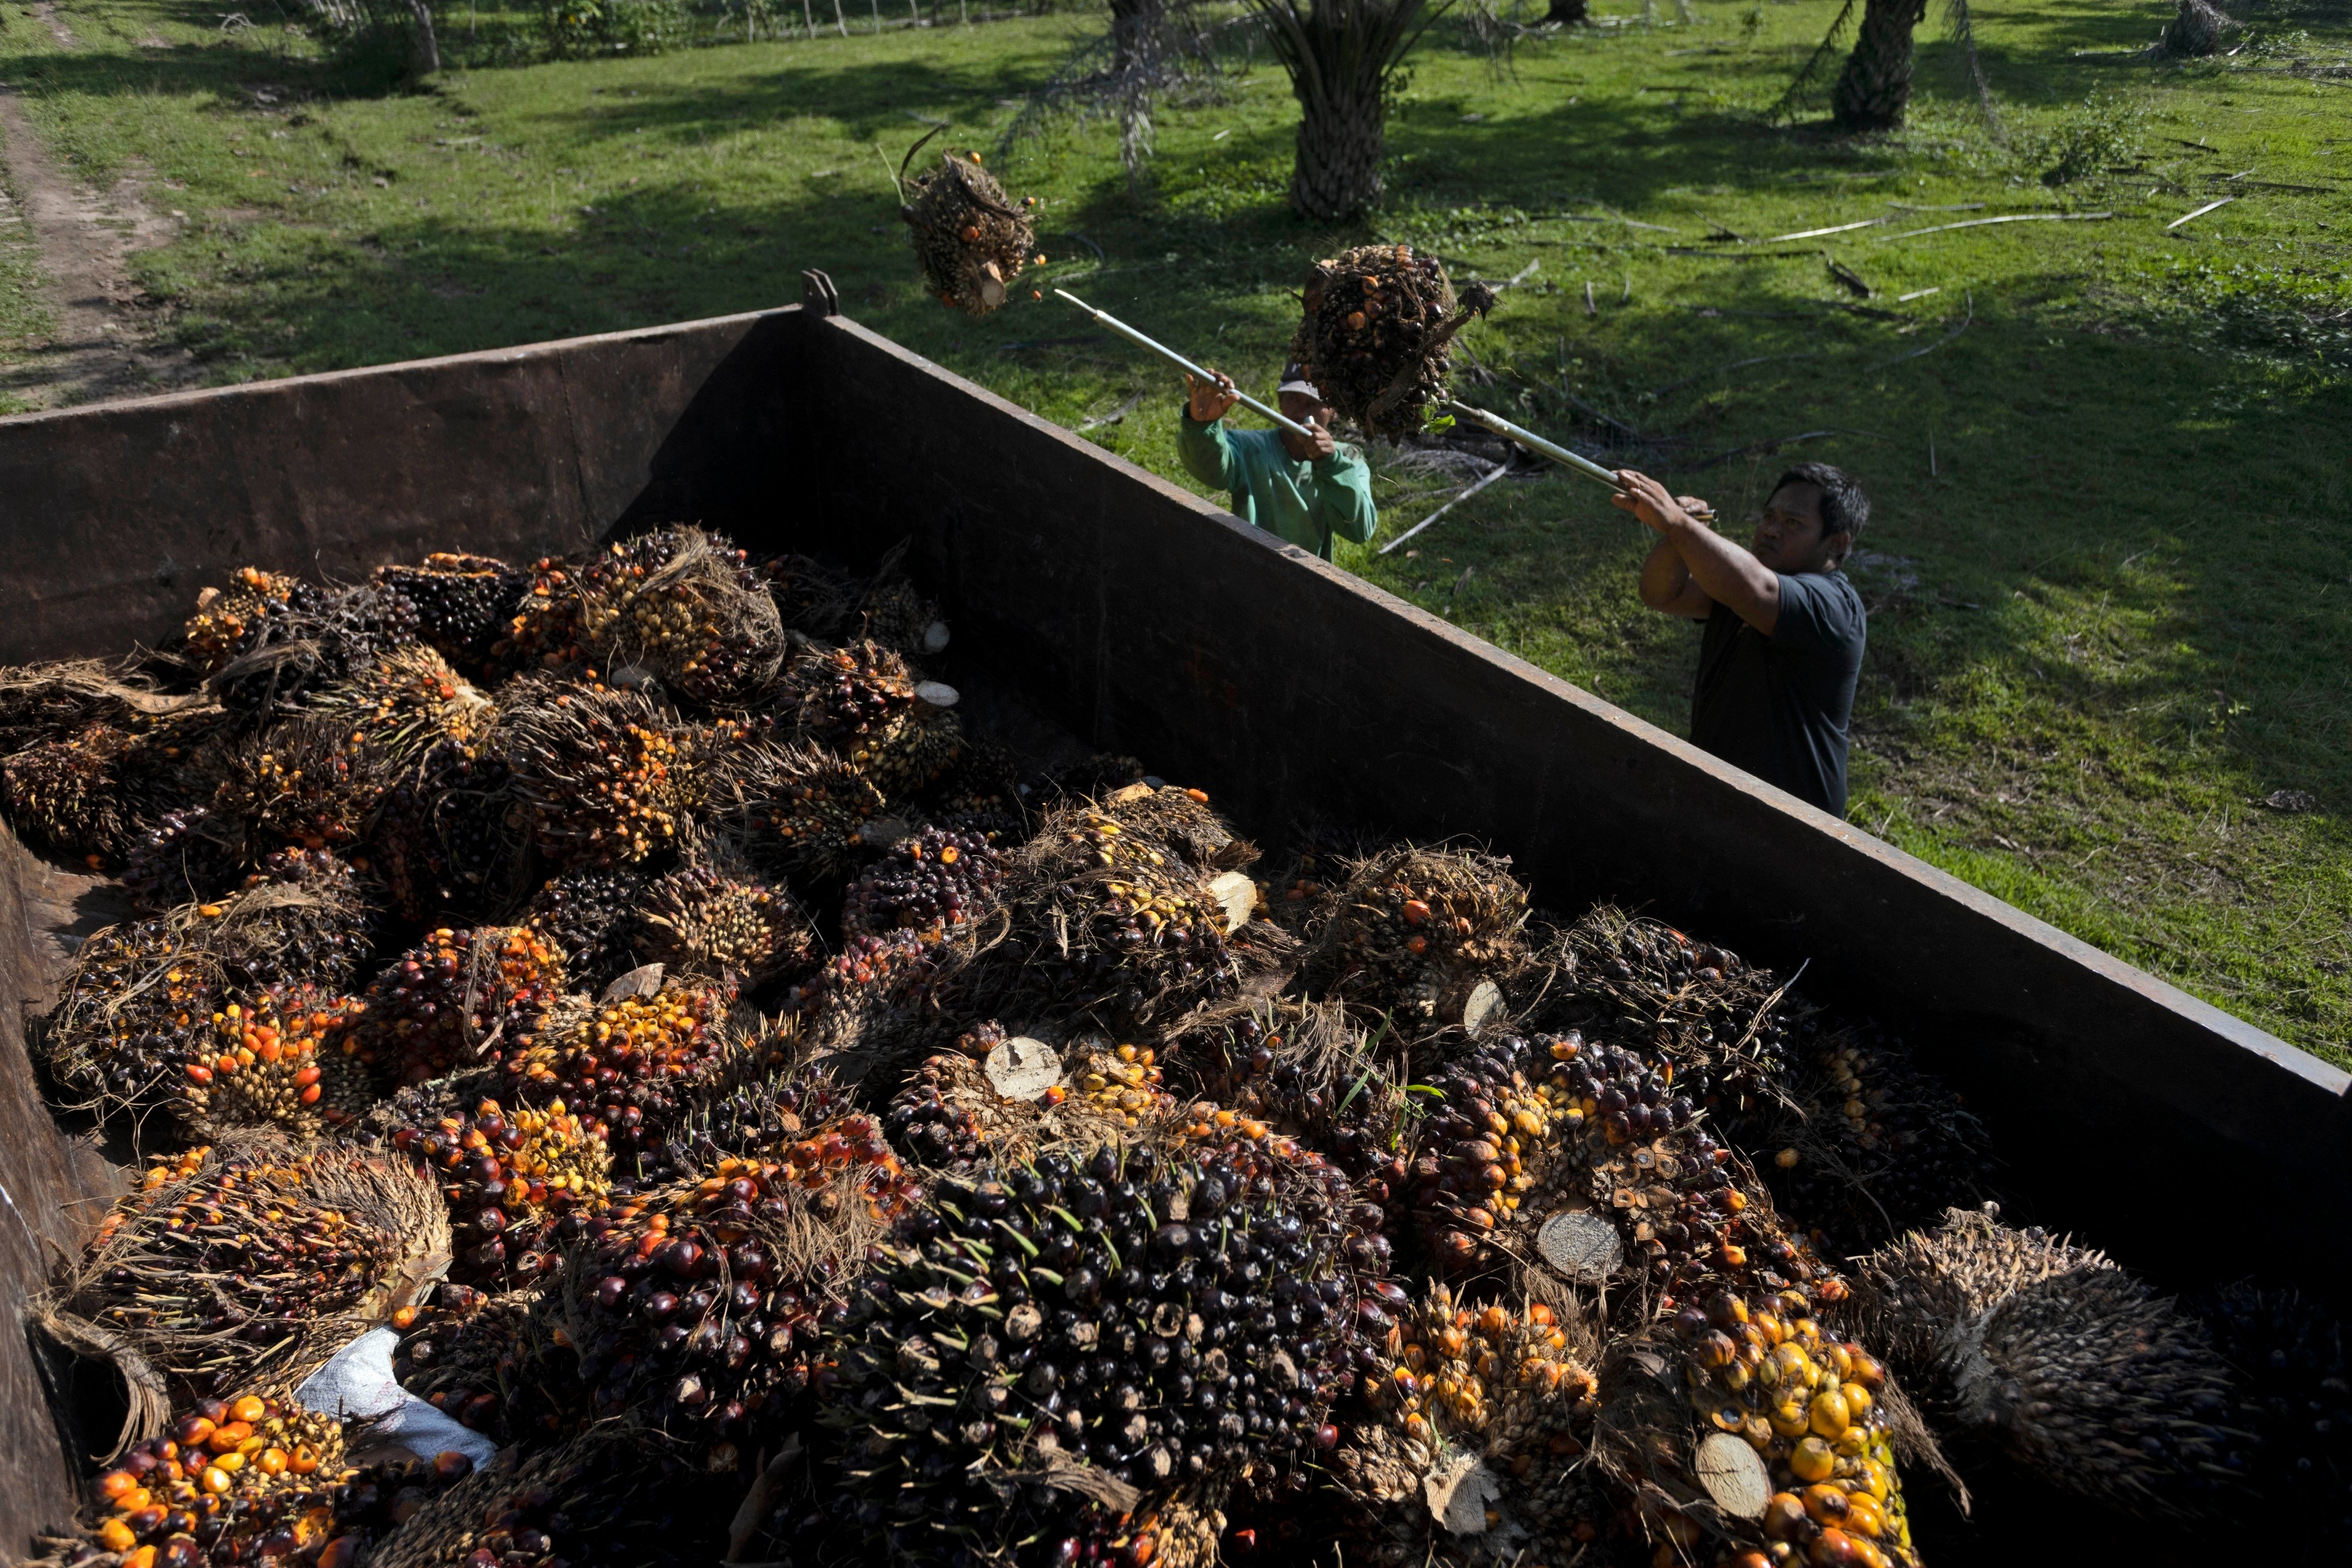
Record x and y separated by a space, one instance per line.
1719 570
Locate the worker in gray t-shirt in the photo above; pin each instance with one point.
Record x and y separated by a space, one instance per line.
1784 628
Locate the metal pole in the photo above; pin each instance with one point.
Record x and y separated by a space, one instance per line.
1557 454
1164 352
1483 480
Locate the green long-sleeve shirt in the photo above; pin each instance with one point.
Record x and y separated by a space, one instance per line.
1308 504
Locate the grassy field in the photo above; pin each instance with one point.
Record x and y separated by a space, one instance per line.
2109 455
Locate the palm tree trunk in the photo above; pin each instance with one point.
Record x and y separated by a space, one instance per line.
1876 87
1571 12
426 55
1341 136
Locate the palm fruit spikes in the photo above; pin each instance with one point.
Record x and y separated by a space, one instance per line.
63 794
1378 333
629 1066
454 999
1418 930
260 1262
278 1058
404 705
605 779
970 237
702 1302
1160 1323
929 882
2074 1366
805 811
712 920
687 609
463 603
509 1177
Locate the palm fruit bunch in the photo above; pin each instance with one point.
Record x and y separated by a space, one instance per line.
264 1261
509 1177
1459 1388
862 703
895 614
971 241
811 598
63 794
806 812
463 603
1378 333
224 1478
872 978
630 1066
763 1101
710 918
605 779
441 841
601 1497
1126 1084
949 1117
304 919
543 633
134 1011
1416 931
687 609
2070 1365
278 1058
2288 1352
701 1303
189 853
456 998
591 915
1154 1325
323 637
1760 1369
929 883
498 1364
58 698
226 618
404 705
1878 1148
303 783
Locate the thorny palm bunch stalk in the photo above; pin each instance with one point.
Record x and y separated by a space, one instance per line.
265 1261
1343 57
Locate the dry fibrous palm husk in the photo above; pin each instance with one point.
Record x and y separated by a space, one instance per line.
605 777
260 1264
52 700
319 638
970 238
1378 333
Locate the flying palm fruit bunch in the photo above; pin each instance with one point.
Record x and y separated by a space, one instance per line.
305 918
1485 1407
1154 1325
188 854
1874 1146
457 998
2288 1352
699 1305
688 608
632 1066
605 1498
804 811
498 1364
303 783
442 842
929 882
971 241
1418 930
224 1477
605 779
227 619
2073 1366
463 603
63 794
591 915
711 918
1377 334
510 1176
862 702
278 1058
404 705
133 1012
322 639
1760 1372
543 632
264 1262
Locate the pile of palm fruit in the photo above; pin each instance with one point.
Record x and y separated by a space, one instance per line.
786 1126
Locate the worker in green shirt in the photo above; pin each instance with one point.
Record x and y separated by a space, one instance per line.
1308 492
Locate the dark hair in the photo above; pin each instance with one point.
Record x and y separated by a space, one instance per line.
1845 505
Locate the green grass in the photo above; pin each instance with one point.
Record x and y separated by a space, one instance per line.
2105 618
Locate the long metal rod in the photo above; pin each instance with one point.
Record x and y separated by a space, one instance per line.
1482 481
1556 453
1172 357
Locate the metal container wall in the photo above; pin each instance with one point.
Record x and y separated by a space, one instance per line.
1146 621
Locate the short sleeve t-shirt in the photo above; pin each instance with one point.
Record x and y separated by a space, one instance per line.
1778 706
